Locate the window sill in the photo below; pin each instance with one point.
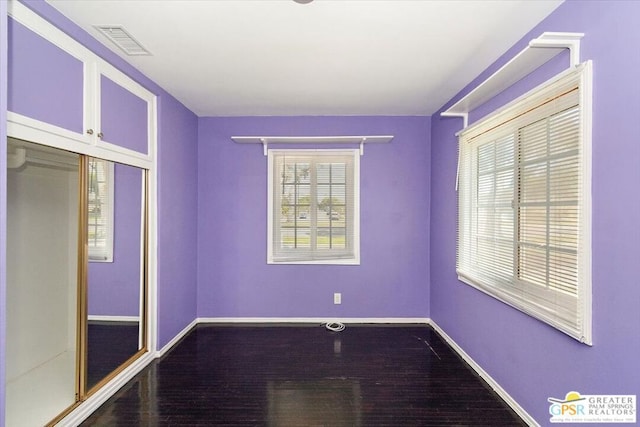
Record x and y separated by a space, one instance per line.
102 260
349 261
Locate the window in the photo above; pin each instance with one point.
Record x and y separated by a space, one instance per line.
524 204
313 207
100 216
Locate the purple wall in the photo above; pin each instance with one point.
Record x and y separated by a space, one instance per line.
177 217
234 279
177 148
212 198
45 81
114 287
3 200
123 117
529 359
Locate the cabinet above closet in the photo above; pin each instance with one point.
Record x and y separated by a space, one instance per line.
59 86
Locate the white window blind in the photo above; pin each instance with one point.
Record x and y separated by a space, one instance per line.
524 204
313 212
100 216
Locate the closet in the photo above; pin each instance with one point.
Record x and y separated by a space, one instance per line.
42 283
76 278
81 176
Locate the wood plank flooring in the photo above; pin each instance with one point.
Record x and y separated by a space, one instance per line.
307 376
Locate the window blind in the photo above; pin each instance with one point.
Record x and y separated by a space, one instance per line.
100 215
314 205
524 205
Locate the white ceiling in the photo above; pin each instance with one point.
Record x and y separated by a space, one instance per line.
329 57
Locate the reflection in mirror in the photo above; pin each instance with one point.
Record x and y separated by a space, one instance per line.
115 275
327 402
42 282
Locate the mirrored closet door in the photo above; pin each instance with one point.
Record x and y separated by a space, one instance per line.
116 270
76 278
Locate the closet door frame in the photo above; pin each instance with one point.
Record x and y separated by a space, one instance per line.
102 390
89 400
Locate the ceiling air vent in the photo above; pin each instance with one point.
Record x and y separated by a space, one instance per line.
121 38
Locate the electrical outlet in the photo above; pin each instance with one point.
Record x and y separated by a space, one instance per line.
337 298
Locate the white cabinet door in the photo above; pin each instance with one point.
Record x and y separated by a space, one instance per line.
58 87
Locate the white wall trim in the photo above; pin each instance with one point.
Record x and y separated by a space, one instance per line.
29 129
168 346
287 320
528 60
318 320
101 318
485 376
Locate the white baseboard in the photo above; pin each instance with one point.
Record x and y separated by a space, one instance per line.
318 320
177 338
103 318
292 320
485 376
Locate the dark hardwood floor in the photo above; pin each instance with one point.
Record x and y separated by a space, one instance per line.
307 376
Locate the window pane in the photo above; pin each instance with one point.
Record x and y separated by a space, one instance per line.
291 238
303 195
338 194
563 227
331 200
323 173
563 272
533 225
303 216
303 173
504 187
536 141
533 183
288 173
338 238
323 197
337 217
287 238
324 238
564 131
287 217
288 194
338 173
532 265
486 158
564 179
303 238
287 203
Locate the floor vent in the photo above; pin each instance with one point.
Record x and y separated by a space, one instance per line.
121 38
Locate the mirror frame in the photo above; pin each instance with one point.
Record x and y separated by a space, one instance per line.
83 325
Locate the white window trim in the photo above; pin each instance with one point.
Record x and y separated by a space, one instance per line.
355 260
582 73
